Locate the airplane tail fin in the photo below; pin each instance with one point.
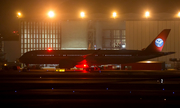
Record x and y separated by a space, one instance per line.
158 43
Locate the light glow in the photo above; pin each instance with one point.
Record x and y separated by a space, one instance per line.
85 65
123 46
148 61
61 70
51 14
147 14
114 14
18 14
49 49
178 14
82 14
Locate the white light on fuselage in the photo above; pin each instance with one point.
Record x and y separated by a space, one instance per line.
123 46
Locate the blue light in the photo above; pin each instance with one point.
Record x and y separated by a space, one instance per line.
73 91
163 88
130 91
173 92
15 91
52 88
106 88
99 71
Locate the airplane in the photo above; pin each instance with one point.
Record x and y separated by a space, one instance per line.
88 58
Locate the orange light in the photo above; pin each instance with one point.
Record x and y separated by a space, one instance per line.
82 14
114 14
51 14
19 14
178 14
147 14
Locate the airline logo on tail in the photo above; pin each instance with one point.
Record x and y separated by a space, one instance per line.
159 42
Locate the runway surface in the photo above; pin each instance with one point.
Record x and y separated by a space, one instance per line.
90 89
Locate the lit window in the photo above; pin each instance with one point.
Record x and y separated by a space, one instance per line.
28 30
53 35
25 41
21 45
25 30
31 45
21 30
25 50
36 35
25 45
25 35
39 35
29 41
42 35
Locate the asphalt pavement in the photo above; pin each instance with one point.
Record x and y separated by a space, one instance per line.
42 88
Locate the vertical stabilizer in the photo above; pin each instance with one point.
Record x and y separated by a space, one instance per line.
158 43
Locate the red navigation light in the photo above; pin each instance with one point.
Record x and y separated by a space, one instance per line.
49 49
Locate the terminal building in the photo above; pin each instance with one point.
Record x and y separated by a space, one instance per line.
126 31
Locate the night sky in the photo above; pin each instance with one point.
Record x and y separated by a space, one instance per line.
36 8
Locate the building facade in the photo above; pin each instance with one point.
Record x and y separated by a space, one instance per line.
71 35
133 33
36 35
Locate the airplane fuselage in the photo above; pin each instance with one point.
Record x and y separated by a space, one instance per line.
69 58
